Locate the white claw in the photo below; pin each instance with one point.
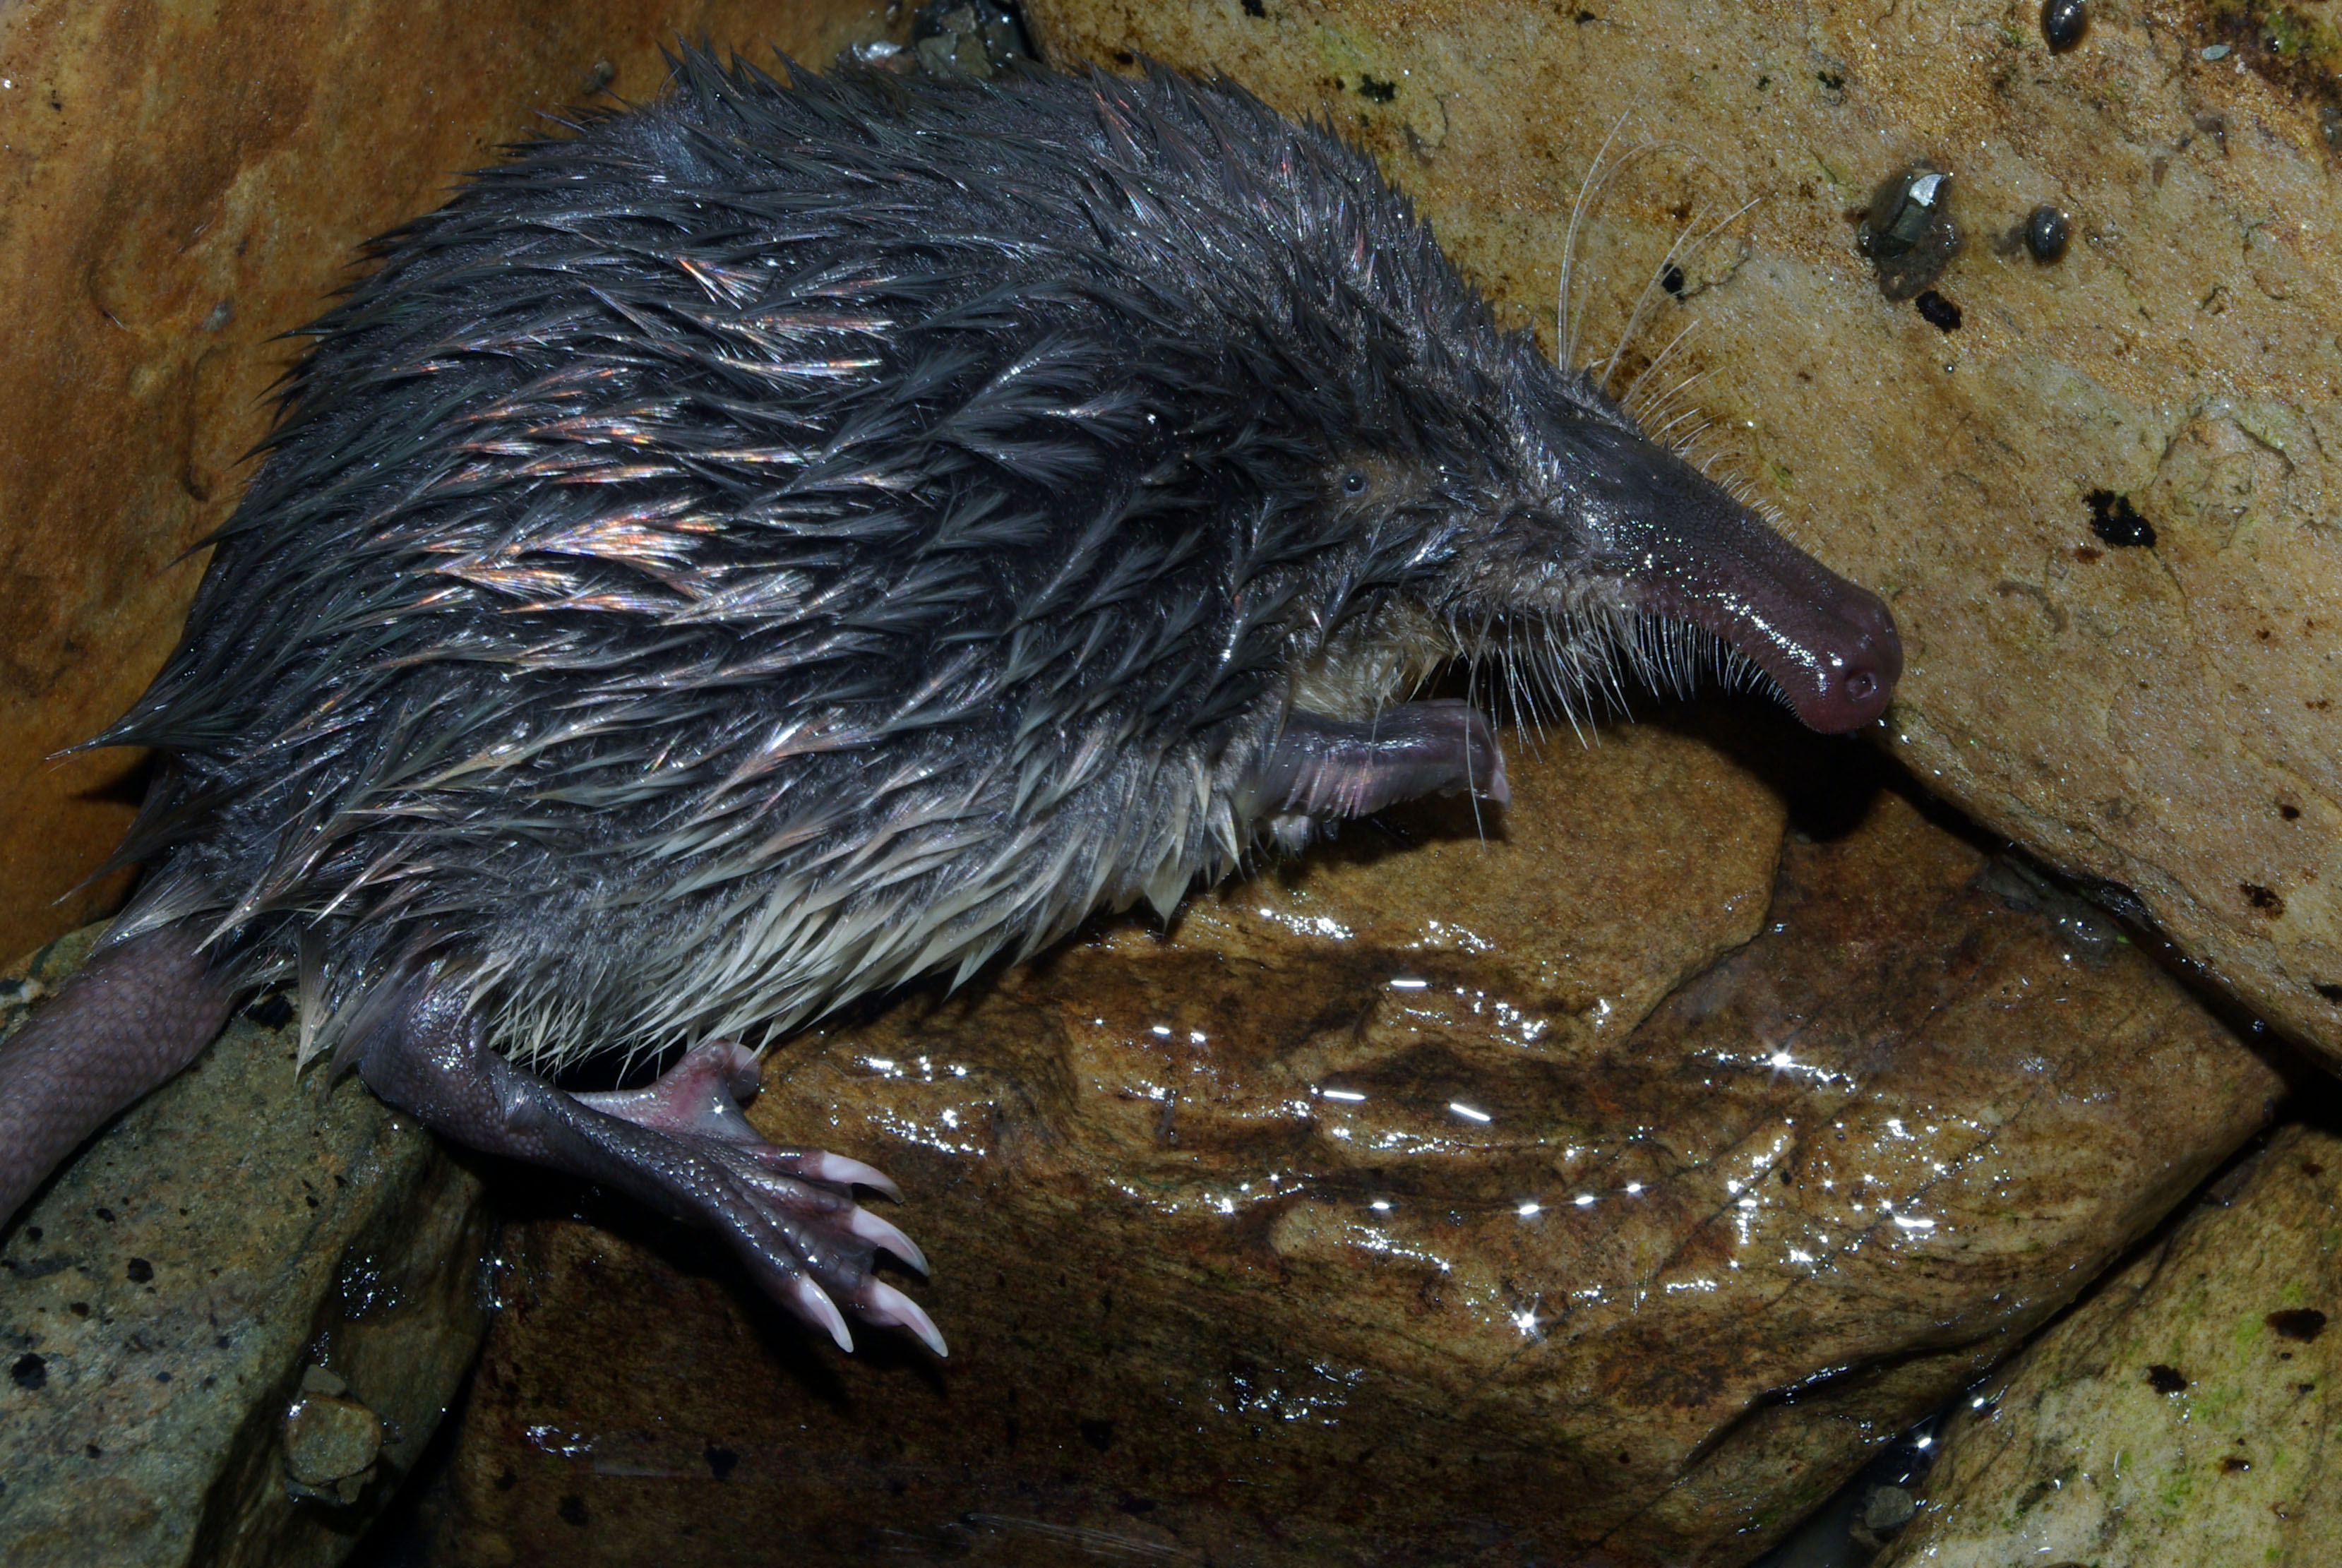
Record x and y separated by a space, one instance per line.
883 1304
879 1233
824 1166
815 1303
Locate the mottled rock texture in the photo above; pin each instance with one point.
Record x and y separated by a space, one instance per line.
160 1301
2185 1415
2164 715
1367 1216
179 185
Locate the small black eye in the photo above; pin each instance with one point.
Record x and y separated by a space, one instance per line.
1353 483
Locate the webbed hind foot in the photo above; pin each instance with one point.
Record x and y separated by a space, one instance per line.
679 1144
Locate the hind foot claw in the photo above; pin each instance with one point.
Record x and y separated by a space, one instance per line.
681 1145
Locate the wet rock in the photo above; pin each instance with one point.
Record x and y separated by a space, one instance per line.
2184 1413
181 184
1403 1201
2161 718
1886 1509
159 1299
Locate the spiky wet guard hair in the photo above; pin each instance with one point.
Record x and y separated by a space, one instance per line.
783 539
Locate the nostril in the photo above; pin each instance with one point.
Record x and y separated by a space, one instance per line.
1877 638
1861 686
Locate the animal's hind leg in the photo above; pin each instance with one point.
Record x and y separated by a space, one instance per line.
680 1146
138 1012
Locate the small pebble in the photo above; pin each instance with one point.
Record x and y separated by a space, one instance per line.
2047 231
1888 1508
329 1440
316 1379
2063 23
2216 52
1908 216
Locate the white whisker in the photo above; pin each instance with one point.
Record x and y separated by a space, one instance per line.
1565 323
1627 398
1658 276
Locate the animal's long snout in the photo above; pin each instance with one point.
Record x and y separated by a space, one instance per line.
1830 645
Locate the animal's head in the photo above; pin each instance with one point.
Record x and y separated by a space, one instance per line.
1480 501
1591 543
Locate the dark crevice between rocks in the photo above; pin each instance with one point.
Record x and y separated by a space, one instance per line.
1870 1510
1839 1533
400 1536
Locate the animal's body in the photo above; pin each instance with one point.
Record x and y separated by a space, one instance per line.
783 540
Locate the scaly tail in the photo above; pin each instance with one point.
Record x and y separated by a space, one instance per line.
136 1013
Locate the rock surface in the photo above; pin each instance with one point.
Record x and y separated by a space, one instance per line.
180 186
160 1302
2185 1414
2160 715
1366 1214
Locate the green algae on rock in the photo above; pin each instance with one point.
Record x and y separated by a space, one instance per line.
2184 1414
160 1301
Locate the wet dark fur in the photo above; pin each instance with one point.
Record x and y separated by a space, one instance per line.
779 540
